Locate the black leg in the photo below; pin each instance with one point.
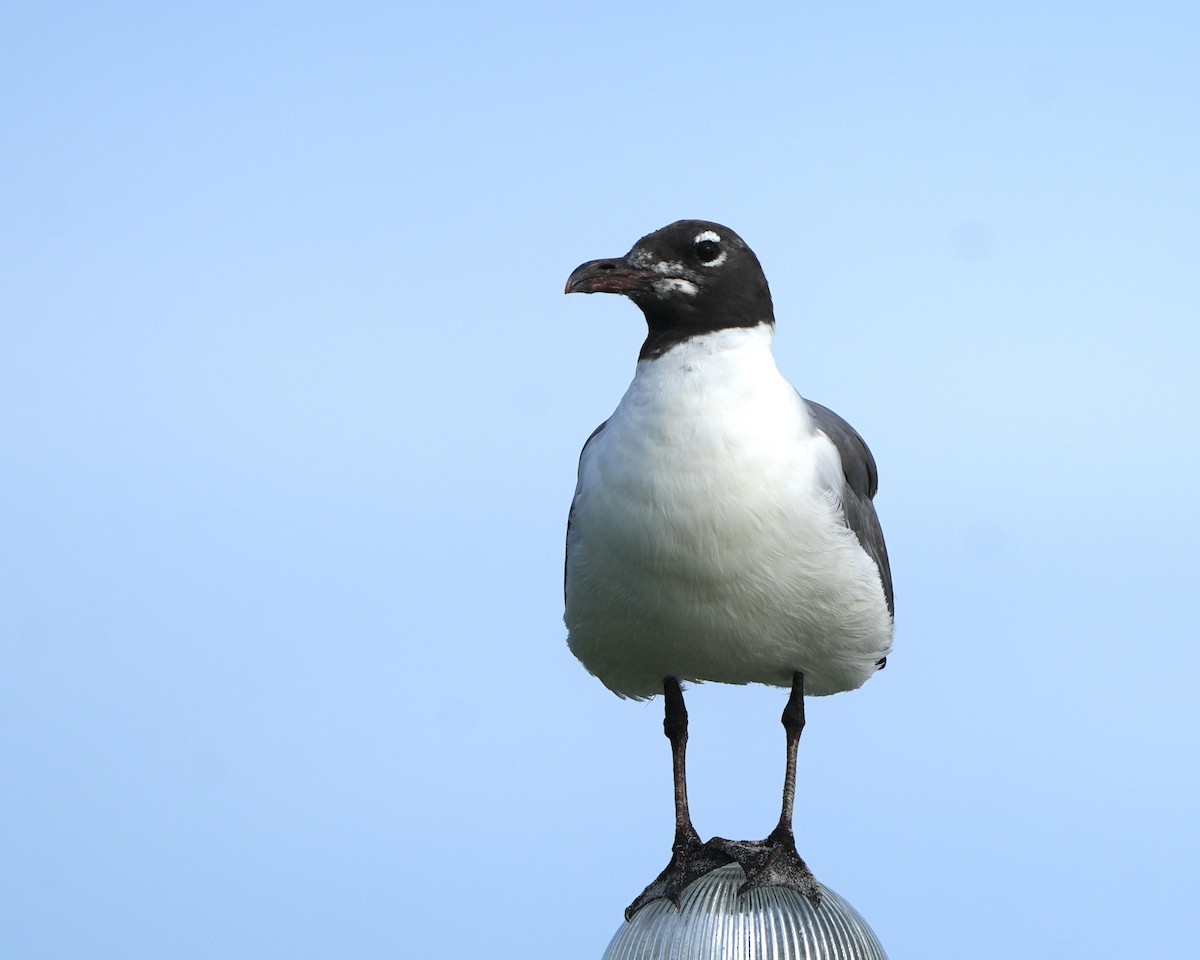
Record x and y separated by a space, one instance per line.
675 726
690 859
793 726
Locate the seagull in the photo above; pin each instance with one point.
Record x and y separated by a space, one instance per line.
722 527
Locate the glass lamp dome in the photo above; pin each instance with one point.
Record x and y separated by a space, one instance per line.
767 923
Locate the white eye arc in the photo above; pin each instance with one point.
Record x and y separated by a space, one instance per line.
708 248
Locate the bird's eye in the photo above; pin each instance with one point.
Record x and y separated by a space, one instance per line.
707 250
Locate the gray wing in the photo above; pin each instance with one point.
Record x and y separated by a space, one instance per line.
862 480
571 513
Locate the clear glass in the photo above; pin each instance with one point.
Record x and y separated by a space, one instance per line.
768 923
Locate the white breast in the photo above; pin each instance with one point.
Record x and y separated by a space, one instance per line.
706 538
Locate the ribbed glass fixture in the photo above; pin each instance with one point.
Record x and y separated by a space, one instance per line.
768 923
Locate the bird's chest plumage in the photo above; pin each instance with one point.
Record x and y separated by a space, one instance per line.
698 467
705 536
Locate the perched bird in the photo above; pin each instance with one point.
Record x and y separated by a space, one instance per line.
722 527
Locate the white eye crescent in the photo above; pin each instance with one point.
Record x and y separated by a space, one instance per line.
708 248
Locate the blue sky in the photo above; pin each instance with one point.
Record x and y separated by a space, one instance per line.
291 403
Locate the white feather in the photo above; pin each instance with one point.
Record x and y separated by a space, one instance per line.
707 541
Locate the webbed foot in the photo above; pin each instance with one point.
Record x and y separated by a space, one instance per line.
772 862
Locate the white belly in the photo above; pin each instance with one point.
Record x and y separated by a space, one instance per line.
706 542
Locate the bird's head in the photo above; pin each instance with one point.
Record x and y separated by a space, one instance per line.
689 278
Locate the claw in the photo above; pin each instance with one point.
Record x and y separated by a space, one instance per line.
688 864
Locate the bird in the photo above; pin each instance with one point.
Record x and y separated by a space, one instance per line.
722 527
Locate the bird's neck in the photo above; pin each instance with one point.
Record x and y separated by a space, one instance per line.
732 353
668 330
